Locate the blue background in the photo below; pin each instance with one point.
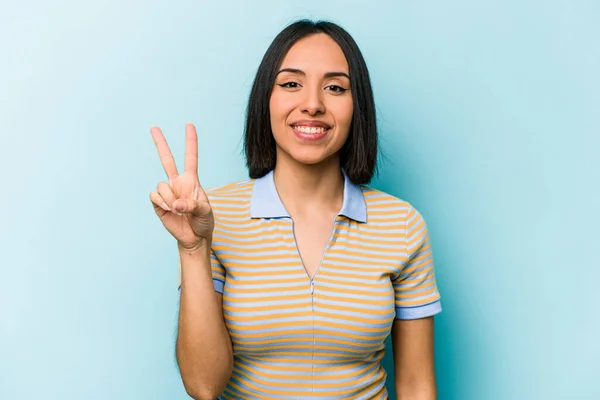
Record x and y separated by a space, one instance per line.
490 125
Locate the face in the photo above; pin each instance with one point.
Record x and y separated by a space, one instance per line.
311 103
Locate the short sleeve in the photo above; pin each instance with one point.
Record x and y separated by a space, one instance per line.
218 273
415 287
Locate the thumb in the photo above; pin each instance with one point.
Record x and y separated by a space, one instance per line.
190 206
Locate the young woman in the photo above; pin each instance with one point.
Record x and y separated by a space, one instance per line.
292 280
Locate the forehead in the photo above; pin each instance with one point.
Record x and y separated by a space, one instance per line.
318 52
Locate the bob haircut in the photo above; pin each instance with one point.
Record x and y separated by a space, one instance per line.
358 156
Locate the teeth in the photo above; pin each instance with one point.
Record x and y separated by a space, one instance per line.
310 129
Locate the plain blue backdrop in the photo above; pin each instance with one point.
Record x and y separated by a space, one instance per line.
490 126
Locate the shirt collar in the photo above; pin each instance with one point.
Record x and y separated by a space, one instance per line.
265 201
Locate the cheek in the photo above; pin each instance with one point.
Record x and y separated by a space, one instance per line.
343 114
273 109
279 109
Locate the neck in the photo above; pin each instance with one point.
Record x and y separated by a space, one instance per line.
309 189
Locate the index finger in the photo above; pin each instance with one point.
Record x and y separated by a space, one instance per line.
191 150
166 157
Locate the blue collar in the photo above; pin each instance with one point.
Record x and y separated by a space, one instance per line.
265 201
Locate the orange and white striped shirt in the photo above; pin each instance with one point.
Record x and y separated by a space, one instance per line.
300 338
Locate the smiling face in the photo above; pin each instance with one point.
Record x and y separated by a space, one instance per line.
311 102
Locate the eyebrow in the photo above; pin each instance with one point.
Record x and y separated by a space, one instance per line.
300 72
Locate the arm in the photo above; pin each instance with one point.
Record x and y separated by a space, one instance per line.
204 351
414 372
417 300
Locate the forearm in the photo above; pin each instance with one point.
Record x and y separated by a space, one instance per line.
204 352
416 390
413 348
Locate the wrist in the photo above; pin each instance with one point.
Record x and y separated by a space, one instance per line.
202 249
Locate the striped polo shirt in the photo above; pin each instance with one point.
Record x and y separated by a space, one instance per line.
300 338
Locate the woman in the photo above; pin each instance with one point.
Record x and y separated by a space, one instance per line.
291 281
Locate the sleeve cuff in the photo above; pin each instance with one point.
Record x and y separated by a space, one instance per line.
216 283
219 285
426 310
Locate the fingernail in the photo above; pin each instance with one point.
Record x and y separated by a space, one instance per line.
180 206
165 206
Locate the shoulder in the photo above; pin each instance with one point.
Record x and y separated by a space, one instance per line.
232 195
390 211
379 202
231 189
384 207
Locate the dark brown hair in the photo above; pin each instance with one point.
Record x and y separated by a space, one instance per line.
359 153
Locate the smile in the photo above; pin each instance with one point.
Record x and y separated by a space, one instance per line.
310 133
311 130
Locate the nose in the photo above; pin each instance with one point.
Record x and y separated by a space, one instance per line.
313 103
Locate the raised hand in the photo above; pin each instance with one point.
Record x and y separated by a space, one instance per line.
181 204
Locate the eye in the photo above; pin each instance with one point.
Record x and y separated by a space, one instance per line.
289 85
336 88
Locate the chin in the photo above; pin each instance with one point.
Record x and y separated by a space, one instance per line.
308 157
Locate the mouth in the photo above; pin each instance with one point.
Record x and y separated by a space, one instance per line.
310 130
310 133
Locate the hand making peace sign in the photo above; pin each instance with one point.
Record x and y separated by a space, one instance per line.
181 204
